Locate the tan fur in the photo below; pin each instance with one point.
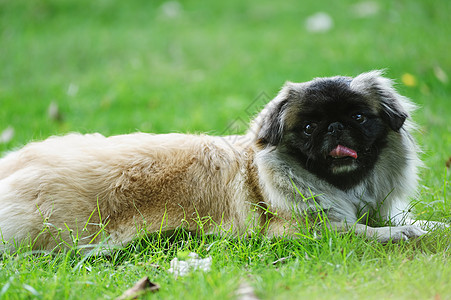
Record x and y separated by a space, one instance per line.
133 182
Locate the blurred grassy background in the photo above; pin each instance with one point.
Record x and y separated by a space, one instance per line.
195 66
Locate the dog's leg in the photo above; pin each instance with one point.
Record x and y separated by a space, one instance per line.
18 223
427 225
382 234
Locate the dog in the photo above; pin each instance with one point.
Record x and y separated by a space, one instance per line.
340 146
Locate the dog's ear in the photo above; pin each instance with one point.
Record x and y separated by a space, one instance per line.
268 126
393 107
271 130
393 115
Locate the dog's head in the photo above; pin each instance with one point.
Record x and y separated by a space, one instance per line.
334 127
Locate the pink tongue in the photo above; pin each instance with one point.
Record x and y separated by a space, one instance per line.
342 151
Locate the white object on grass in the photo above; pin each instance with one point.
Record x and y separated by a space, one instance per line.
7 135
184 267
319 22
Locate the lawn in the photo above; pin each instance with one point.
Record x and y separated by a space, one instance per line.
124 66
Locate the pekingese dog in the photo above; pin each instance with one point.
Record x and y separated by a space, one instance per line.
341 146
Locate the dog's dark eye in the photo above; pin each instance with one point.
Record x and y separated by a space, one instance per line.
359 118
309 128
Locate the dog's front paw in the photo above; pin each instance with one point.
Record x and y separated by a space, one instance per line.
429 225
396 234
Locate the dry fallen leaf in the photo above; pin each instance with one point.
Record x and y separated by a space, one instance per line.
440 74
448 162
53 112
141 287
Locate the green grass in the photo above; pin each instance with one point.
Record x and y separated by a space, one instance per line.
121 66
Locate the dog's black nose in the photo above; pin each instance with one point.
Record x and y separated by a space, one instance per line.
335 128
